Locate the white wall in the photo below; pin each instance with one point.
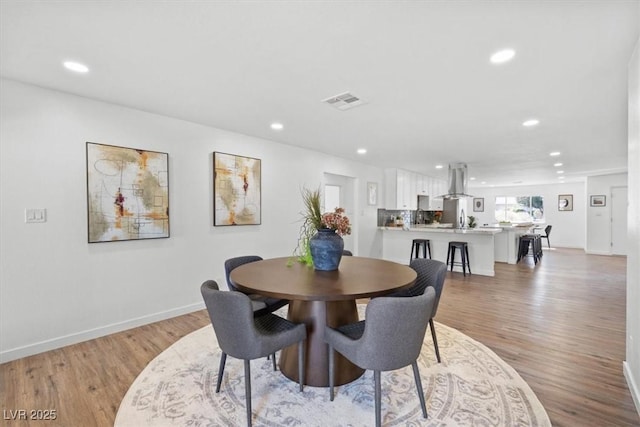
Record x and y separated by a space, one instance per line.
56 289
632 364
568 226
599 219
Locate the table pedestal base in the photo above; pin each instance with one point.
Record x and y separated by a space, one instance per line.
317 315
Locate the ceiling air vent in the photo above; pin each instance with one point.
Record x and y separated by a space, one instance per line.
344 101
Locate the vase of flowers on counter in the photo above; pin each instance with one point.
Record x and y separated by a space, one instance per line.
320 243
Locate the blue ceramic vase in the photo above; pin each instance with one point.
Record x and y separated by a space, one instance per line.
326 249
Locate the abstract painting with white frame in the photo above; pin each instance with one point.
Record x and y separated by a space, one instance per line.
127 193
237 190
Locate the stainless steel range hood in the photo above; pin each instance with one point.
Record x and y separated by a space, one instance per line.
457 181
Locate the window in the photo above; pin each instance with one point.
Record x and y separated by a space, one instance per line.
519 209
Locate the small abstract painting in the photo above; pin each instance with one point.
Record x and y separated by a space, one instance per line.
127 193
236 190
478 204
565 202
372 193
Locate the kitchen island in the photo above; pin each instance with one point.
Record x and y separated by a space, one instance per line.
396 245
507 242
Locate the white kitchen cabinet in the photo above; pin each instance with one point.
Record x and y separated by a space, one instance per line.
403 187
400 190
438 188
422 185
413 191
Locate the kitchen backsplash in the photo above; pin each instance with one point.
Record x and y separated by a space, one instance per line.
387 217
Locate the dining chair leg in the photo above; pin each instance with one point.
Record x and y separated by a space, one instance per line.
301 346
435 340
273 357
247 390
416 375
331 362
223 359
378 393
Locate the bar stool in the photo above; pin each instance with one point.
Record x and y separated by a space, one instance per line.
538 238
425 244
530 241
464 253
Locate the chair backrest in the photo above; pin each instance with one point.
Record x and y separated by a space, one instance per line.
231 315
233 263
547 230
394 331
347 253
431 273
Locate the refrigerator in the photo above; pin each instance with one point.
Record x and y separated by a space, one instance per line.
454 212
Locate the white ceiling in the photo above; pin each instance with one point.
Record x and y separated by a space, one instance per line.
422 67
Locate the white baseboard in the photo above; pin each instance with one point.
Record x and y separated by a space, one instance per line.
51 344
633 385
597 252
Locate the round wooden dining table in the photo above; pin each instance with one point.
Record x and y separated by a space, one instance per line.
320 299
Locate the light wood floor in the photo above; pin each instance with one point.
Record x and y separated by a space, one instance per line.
560 325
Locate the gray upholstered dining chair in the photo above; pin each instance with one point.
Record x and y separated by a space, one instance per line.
346 252
260 303
242 335
389 338
431 273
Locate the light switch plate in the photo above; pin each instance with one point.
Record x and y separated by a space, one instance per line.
32 215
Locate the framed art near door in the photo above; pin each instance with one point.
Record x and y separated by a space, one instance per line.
372 193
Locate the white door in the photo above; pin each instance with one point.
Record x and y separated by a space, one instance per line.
619 203
342 190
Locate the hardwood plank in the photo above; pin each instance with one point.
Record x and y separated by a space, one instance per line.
85 382
560 324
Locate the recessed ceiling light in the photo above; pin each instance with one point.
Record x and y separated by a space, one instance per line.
502 56
530 122
559 171
483 182
439 166
557 164
362 150
76 66
554 153
561 177
277 126
473 178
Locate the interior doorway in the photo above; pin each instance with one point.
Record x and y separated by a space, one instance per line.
619 234
339 191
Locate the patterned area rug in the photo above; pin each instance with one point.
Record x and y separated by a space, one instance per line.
471 387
